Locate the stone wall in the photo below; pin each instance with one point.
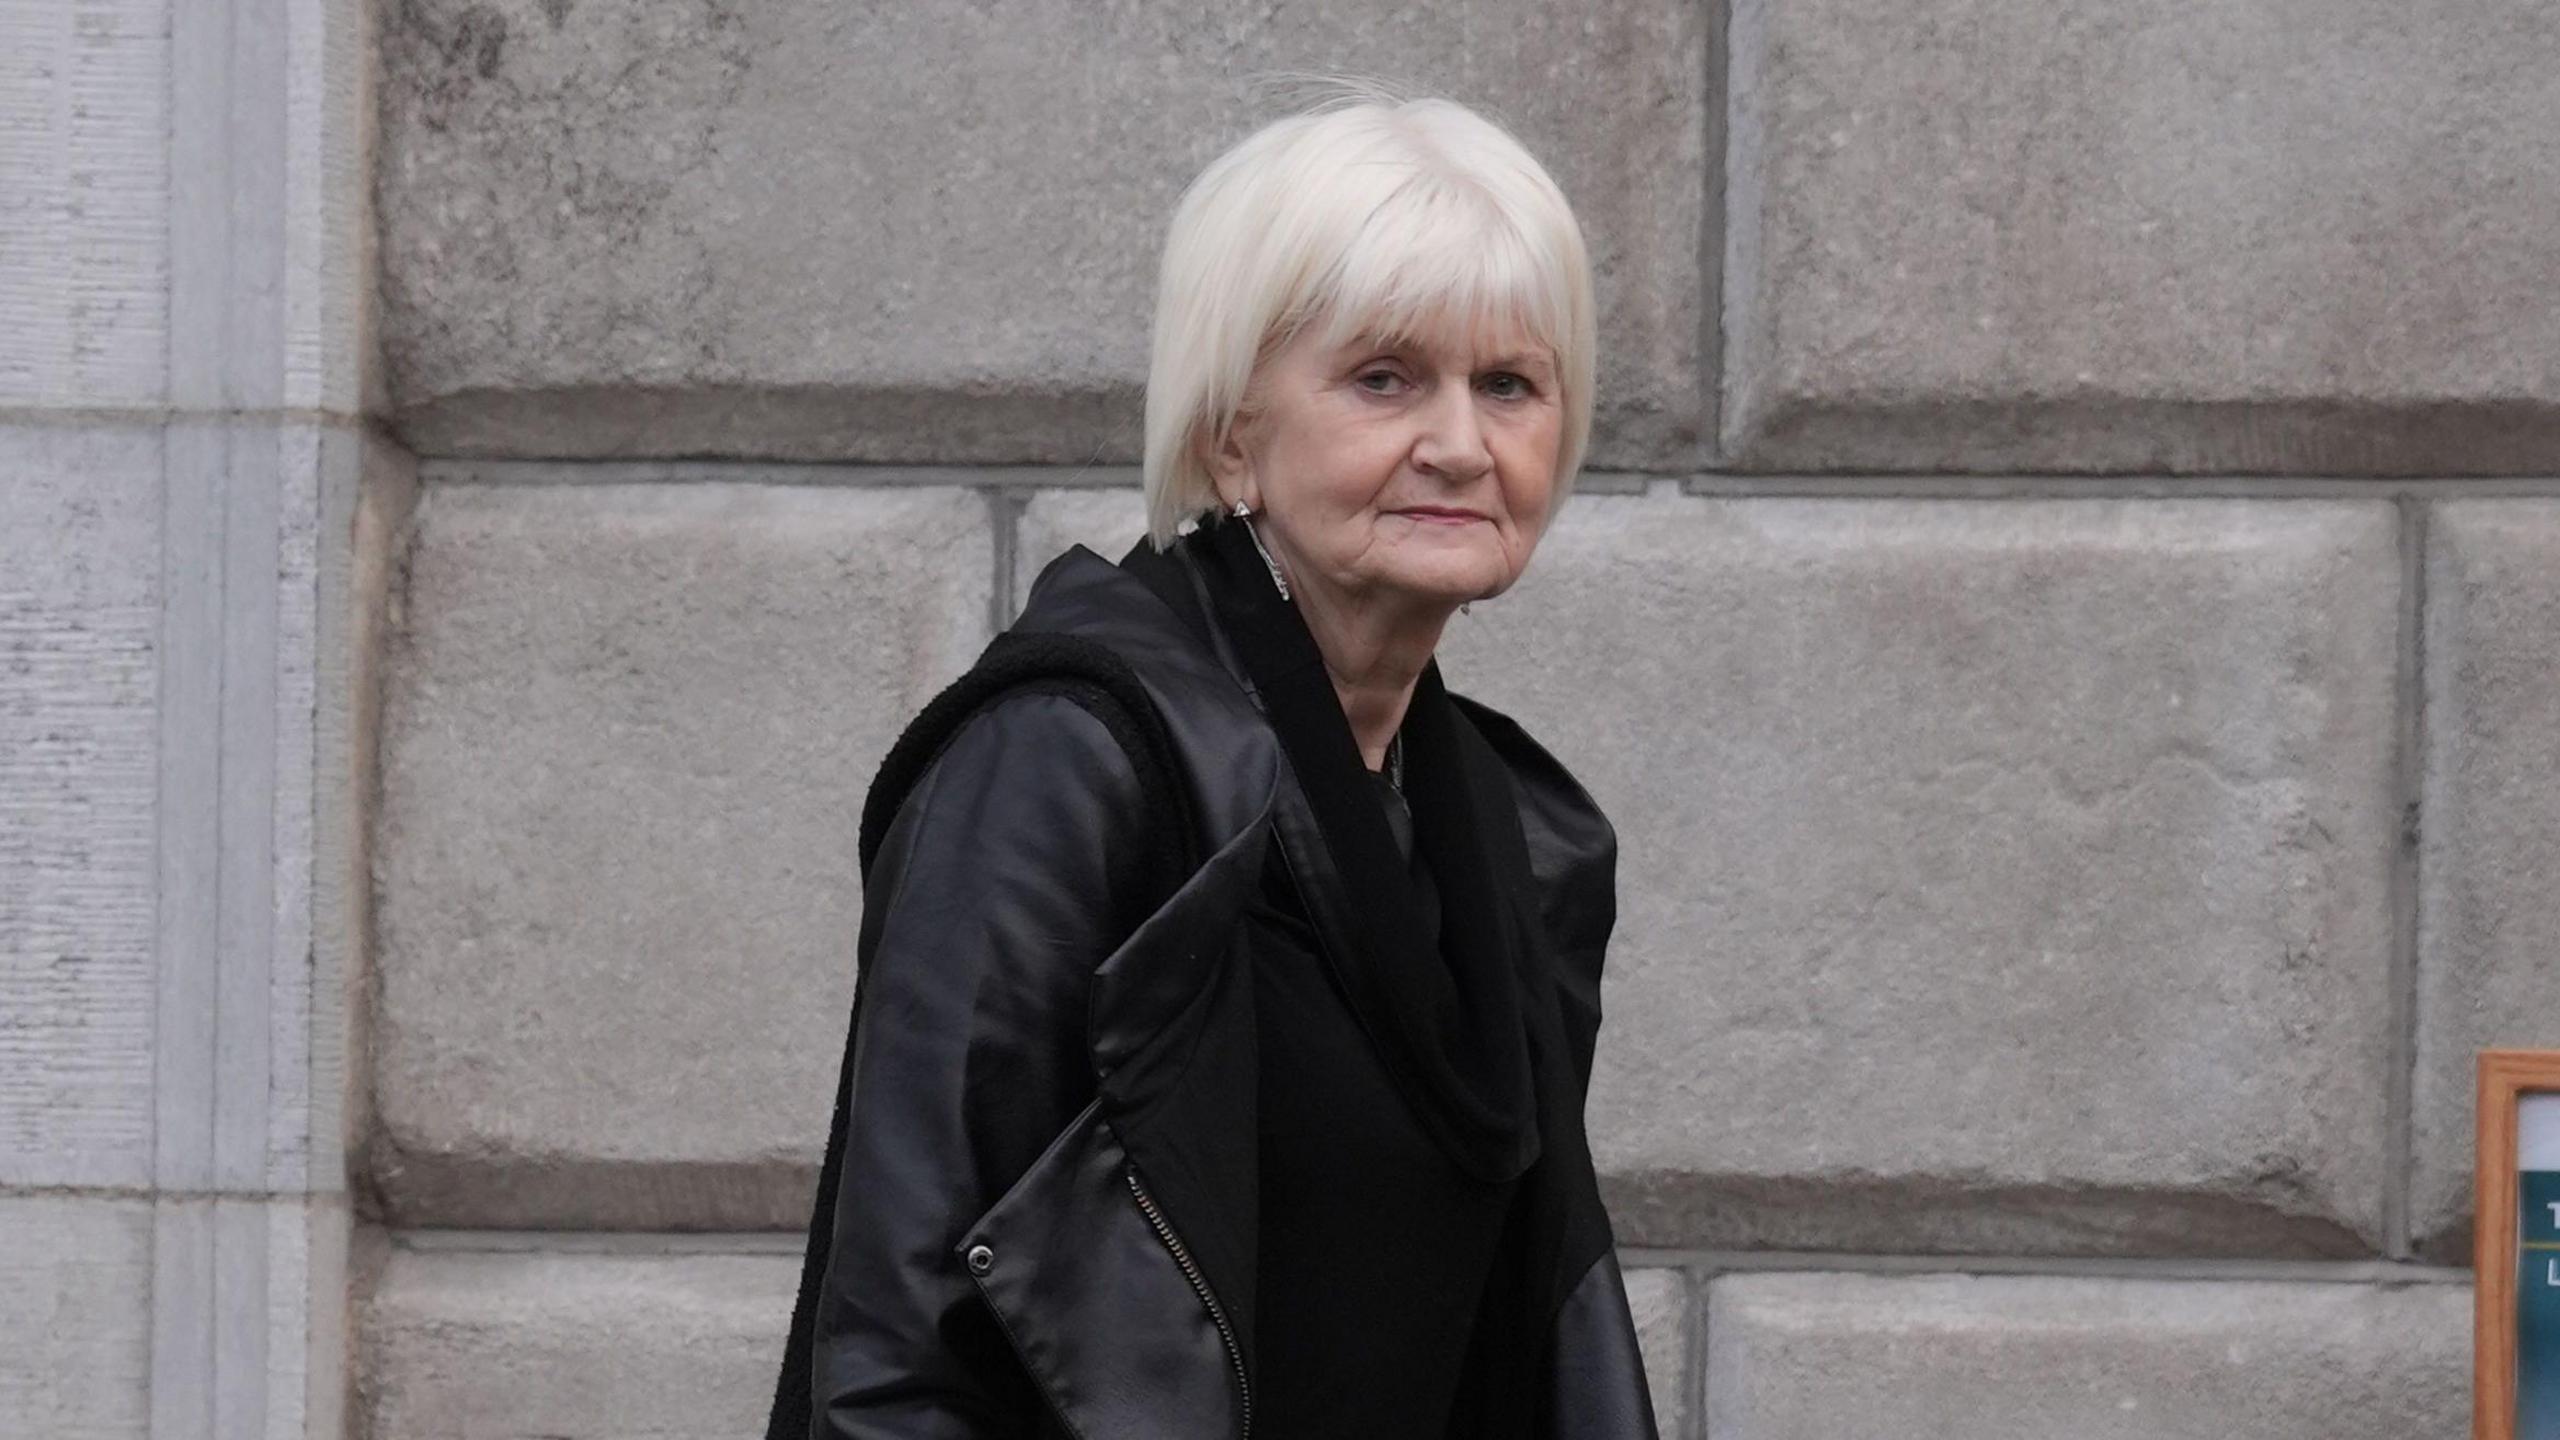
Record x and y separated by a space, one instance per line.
195 529
2060 617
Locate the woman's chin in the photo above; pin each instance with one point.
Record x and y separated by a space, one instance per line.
1445 586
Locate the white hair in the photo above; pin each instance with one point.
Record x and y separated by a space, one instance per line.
1370 214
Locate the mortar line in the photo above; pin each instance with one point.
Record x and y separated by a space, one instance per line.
1693 1384
1709 1263
2409 760
144 417
1951 485
1026 479
1004 510
368 1198
1704 1262
1715 122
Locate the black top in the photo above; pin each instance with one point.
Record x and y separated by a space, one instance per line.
1374 1246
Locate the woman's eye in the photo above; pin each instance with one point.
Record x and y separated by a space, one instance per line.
1387 380
1519 385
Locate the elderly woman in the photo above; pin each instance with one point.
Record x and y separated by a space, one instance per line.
1227 985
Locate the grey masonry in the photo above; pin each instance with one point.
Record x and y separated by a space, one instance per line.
194 528
2061 621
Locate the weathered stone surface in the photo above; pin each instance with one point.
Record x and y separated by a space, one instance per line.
84 239
1659 1299
75 1308
476 1343
171 1018
626 742
1995 875
908 233
1846 1357
189 206
2489 922
2279 235
80 688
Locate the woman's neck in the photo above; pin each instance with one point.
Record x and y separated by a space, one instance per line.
1374 652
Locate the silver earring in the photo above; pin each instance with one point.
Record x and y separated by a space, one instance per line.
1462 606
1268 563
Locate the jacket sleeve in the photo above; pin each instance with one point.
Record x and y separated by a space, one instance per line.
987 908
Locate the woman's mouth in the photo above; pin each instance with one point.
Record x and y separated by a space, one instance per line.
1429 515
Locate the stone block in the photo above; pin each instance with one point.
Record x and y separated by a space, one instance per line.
84 239
80 691
189 216
171 1020
2273 236
1995 875
626 742
75 1306
926 233
457 1345
2489 922
1847 1357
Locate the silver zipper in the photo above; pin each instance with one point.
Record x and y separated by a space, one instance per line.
1191 1271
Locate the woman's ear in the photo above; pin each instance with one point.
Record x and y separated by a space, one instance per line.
1230 467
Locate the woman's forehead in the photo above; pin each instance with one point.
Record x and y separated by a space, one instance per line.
1483 338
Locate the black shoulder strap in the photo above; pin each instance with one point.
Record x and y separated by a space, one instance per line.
1094 676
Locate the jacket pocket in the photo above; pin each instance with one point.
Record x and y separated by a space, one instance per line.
1093 1301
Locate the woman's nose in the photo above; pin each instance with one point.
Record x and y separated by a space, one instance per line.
1452 440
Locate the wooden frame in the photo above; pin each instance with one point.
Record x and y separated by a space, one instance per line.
2505 1078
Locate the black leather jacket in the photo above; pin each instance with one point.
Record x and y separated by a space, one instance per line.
1046 1214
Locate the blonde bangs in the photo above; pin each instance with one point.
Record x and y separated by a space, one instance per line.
1436 266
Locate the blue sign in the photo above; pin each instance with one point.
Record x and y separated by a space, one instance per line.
2538 1306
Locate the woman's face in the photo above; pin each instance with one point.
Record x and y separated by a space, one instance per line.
1415 474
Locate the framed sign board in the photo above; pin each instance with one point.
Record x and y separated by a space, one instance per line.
2515 1335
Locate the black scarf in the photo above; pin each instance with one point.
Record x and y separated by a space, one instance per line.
1448 1025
